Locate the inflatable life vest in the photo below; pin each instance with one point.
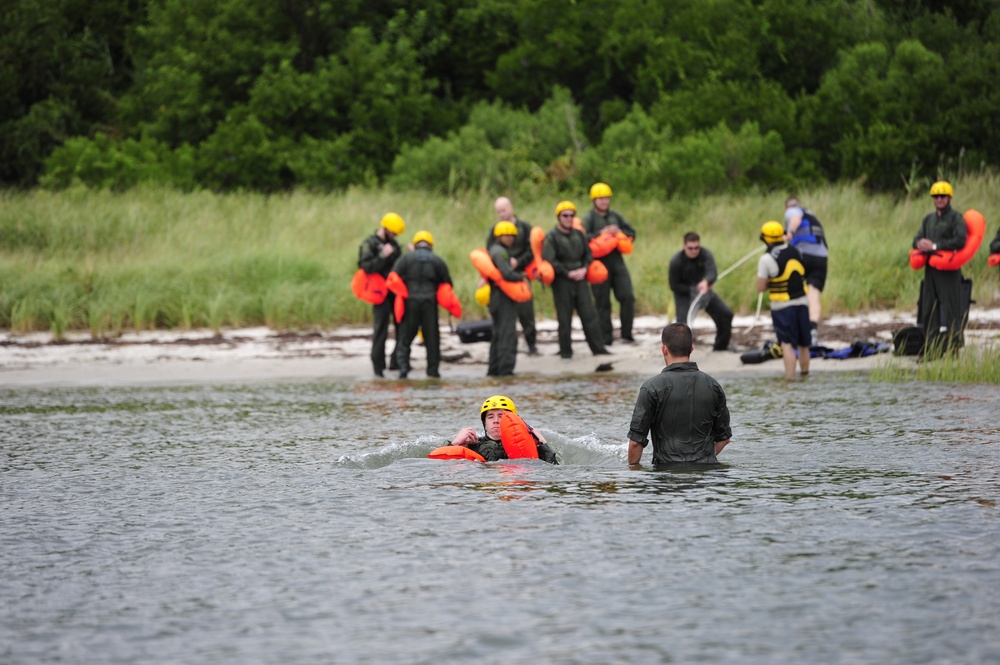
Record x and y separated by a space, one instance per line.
516 291
975 226
605 243
447 299
597 272
456 452
994 260
516 438
789 283
539 269
396 284
369 287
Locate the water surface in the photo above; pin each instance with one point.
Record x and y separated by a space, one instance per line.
853 522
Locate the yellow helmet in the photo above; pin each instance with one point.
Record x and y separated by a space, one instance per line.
504 229
564 205
772 232
497 402
423 236
942 187
483 295
393 223
598 190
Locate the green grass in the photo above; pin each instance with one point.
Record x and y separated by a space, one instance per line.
978 362
153 258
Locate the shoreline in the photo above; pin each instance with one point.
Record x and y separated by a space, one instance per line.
35 360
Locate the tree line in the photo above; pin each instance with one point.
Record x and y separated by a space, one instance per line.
683 97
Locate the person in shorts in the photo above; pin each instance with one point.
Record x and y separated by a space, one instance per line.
780 272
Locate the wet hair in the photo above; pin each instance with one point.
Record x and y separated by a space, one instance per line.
678 339
691 236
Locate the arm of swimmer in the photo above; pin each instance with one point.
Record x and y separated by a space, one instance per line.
719 445
465 437
634 452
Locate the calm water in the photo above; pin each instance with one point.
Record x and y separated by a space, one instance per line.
854 522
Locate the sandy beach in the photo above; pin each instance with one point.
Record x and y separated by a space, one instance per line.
261 354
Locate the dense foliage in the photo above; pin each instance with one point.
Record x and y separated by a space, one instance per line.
678 96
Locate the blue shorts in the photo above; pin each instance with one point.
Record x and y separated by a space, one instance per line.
791 325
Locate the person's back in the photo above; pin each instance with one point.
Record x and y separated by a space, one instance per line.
422 270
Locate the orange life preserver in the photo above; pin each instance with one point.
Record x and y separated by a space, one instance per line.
516 291
516 437
396 284
597 272
994 260
603 244
456 452
624 243
369 287
446 298
975 226
539 269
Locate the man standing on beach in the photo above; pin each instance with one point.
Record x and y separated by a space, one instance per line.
422 271
805 233
780 271
520 257
599 220
692 273
566 248
377 254
941 291
682 407
503 344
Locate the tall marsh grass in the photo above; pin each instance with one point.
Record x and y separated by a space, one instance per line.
978 362
156 258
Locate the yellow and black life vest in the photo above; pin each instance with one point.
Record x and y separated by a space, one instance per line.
790 282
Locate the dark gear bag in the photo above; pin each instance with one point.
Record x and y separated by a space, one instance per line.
475 331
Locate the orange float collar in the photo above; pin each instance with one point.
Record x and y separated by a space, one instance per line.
369 287
516 291
456 452
975 226
516 438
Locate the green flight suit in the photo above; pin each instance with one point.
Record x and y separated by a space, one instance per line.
521 250
619 280
422 271
941 291
567 252
503 344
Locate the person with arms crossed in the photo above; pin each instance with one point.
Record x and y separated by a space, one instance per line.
566 248
520 258
692 273
682 408
805 233
601 219
781 273
377 254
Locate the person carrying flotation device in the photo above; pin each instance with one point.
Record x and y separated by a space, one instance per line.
807 235
994 259
781 273
418 275
602 220
566 249
503 310
521 257
941 290
376 256
505 434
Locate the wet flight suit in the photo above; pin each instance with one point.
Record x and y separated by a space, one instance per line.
521 250
685 411
567 252
370 260
503 345
492 450
422 271
941 291
619 280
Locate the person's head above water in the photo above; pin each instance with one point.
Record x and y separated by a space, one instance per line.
491 412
